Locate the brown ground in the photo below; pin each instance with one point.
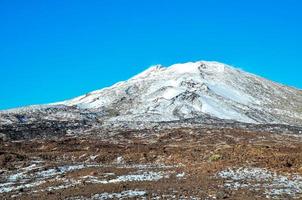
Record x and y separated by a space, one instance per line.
201 154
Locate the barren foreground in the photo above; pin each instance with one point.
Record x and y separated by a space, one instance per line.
168 164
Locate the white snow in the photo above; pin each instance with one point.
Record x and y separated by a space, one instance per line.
171 92
149 71
8 188
93 157
38 173
27 177
120 160
181 175
139 176
59 170
212 107
230 93
67 184
21 175
275 185
185 68
116 195
145 176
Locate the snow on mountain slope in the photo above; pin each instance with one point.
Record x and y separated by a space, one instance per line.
192 90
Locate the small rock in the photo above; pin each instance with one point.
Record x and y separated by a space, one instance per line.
288 164
222 195
94 173
120 160
3 137
215 157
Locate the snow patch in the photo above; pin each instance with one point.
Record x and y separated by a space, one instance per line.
185 68
275 185
117 195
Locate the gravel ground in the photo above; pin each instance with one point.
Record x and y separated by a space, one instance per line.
169 164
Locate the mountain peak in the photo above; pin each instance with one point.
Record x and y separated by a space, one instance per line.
195 89
151 70
197 67
185 68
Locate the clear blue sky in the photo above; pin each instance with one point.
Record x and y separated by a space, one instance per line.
53 50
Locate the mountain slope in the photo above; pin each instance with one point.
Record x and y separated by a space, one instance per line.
192 90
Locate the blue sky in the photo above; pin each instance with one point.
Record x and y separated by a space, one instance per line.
53 50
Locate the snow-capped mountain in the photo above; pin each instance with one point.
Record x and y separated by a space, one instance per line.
189 90
192 89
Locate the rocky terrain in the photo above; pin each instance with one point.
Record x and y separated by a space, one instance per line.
178 163
202 130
